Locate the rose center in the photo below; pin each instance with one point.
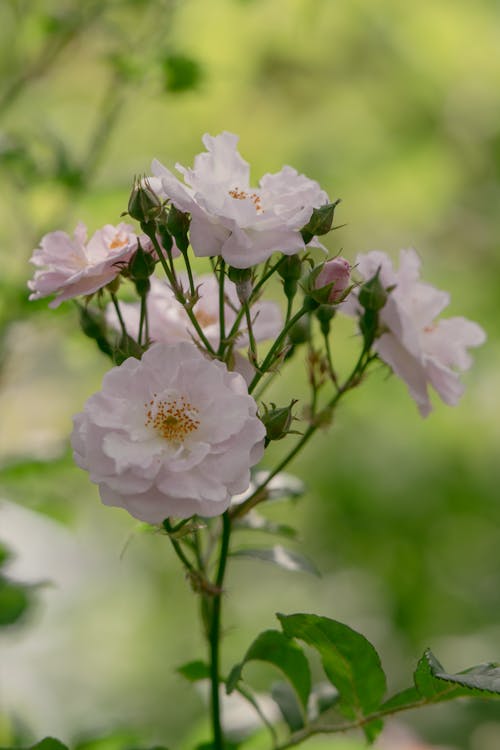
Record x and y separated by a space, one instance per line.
242 195
119 240
204 318
174 419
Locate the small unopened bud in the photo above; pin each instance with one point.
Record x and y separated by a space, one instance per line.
334 278
278 421
290 270
320 222
143 204
372 295
178 226
141 265
242 279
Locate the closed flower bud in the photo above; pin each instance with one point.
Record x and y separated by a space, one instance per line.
335 277
144 205
141 265
242 279
178 226
372 294
277 421
320 222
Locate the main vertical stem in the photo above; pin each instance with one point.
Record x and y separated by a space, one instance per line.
214 635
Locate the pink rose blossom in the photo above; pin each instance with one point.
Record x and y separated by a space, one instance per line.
243 224
419 349
337 272
72 267
173 434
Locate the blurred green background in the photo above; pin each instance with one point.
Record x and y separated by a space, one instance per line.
395 108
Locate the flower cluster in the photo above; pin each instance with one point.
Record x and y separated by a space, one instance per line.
176 428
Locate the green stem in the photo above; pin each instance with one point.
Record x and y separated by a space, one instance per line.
303 734
251 337
192 287
275 348
222 309
177 547
142 319
118 313
214 635
173 282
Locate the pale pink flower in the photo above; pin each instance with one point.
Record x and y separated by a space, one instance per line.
173 434
72 267
419 349
337 272
243 224
169 322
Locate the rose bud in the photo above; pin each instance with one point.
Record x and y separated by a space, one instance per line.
337 273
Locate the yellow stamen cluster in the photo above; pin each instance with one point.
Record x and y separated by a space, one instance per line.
205 319
119 240
174 419
241 195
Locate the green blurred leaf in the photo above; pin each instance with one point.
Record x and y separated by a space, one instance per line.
194 670
281 556
4 555
349 660
14 601
253 521
48 743
285 697
181 73
275 648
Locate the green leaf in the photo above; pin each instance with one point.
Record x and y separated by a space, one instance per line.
253 521
350 662
14 601
280 556
285 697
404 699
194 670
181 73
433 682
275 648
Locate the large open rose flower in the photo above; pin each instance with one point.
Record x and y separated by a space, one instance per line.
69 267
169 322
173 434
243 224
419 349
